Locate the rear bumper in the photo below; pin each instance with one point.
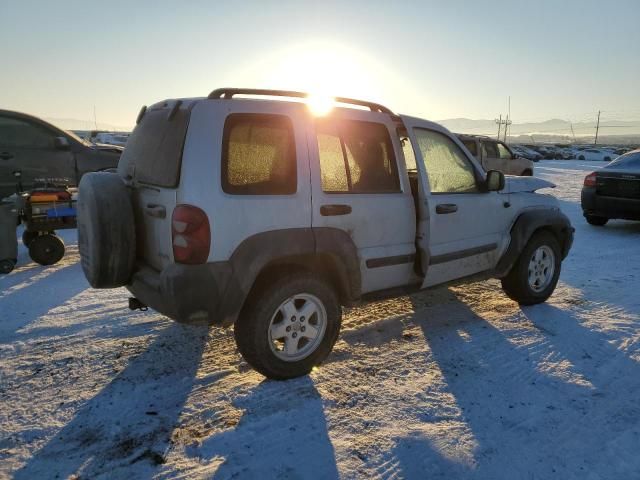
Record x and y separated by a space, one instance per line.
186 293
609 207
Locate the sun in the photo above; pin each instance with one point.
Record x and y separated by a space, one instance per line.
325 71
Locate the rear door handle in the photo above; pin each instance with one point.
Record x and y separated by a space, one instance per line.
331 210
6 156
154 210
445 208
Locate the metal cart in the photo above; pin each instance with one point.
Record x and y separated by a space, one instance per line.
45 211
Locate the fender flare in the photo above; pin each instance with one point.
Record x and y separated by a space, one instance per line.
258 251
523 229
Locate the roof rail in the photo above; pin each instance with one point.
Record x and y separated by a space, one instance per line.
230 92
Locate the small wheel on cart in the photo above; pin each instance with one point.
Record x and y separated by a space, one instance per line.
46 249
6 265
28 237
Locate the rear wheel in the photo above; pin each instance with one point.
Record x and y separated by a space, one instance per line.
595 220
289 327
534 276
527 173
46 249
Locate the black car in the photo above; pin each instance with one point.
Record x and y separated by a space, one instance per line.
45 155
614 191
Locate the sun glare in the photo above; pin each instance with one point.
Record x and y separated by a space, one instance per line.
320 105
325 71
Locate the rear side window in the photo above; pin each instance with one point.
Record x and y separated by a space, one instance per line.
471 146
356 157
258 155
155 146
628 160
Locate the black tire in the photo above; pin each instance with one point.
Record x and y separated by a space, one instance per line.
6 265
28 236
596 221
516 283
527 173
106 230
46 249
251 330
581 157
607 159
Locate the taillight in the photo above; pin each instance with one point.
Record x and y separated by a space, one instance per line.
190 235
590 180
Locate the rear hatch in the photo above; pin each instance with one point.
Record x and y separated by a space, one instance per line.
621 184
151 165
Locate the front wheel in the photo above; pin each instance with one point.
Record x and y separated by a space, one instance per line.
534 276
289 327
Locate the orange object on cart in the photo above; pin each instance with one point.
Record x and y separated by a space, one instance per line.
37 197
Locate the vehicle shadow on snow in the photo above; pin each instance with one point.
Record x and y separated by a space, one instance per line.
282 434
130 421
53 289
524 419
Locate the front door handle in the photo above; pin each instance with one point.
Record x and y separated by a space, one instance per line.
154 210
6 156
445 208
331 210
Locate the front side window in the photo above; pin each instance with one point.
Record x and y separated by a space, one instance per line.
258 155
489 150
504 152
356 157
23 134
448 169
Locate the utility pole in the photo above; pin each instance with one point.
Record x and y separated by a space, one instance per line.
597 128
507 123
506 128
501 122
572 132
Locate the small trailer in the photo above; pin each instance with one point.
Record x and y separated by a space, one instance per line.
45 211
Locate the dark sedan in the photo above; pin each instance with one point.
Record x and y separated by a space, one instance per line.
614 191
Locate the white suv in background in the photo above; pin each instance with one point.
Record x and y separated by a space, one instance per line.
496 155
255 213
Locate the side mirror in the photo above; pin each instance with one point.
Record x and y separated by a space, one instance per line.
61 143
515 156
495 180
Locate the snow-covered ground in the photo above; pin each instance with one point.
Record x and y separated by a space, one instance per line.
455 382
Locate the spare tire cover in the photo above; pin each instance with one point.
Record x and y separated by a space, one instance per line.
106 230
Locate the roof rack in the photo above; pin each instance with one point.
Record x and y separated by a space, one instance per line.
230 92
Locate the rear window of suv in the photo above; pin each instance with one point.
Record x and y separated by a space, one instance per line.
155 146
258 155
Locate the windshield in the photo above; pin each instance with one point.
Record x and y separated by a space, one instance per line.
77 138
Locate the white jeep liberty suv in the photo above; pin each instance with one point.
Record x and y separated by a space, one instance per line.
255 213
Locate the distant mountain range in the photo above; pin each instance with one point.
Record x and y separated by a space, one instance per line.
554 126
85 125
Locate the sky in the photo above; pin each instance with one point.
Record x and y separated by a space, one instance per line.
433 59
